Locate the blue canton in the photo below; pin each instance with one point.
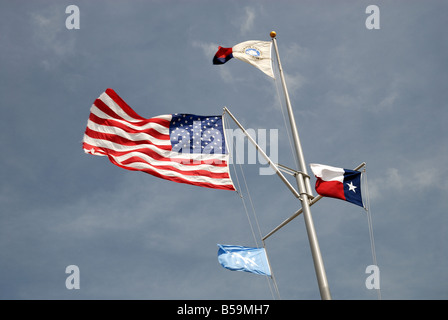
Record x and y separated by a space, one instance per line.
191 133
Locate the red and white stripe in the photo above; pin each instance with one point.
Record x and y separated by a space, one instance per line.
135 143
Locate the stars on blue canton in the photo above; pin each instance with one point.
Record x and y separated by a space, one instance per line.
191 133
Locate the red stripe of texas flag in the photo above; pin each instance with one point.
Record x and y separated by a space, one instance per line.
333 189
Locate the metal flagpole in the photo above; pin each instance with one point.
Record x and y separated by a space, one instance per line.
304 185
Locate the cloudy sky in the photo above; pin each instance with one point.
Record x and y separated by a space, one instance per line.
359 95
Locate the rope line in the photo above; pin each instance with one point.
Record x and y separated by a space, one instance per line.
369 220
240 193
288 133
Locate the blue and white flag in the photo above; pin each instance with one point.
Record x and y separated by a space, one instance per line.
238 258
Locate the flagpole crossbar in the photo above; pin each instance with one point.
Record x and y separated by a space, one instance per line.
270 162
290 171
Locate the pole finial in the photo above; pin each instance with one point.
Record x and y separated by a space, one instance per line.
273 34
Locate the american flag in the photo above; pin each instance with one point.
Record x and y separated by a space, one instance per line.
183 148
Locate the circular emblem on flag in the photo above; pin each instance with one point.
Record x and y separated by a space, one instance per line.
254 52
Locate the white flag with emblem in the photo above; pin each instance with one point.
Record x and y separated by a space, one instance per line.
254 52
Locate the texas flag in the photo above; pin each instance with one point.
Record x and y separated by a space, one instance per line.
254 52
338 183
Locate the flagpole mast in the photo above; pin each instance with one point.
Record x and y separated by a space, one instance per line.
303 182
